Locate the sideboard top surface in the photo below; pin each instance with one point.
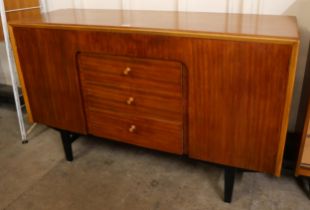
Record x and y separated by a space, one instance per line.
168 22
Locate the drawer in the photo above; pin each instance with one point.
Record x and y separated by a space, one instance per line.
145 69
130 102
144 75
155 134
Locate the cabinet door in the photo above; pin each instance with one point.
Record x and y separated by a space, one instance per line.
48 71
239 110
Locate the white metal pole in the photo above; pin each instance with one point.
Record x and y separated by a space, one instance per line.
43 6
12 73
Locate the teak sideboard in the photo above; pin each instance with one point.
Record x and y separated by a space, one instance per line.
216 87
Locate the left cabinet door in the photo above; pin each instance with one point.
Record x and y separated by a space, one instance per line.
46 60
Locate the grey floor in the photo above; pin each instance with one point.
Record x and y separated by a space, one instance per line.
113 176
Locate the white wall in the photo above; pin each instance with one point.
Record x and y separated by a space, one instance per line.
299 8
236 6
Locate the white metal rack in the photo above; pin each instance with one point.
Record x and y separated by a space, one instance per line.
12 67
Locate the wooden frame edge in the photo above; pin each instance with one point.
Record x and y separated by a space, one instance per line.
293 42
299 169
19 72
163 32
287 108
302 171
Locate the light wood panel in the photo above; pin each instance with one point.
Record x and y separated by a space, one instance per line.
303 171
281 27
306 153
18 4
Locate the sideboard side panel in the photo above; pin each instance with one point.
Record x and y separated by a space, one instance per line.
48 64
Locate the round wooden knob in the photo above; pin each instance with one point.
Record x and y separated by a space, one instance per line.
127 71
130 100
132 128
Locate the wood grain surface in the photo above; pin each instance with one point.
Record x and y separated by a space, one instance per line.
19 15
120 92
152 88
303 171
306 153
243 97
48 63
154 134
19 4
238 93
215 25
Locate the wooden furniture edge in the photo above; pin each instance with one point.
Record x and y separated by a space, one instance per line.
188 34
163 32
287 108
302 143
302 171
20 75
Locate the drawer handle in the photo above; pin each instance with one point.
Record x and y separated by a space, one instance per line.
127 71
130 100
132 128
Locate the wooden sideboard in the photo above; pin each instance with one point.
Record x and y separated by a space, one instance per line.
216 87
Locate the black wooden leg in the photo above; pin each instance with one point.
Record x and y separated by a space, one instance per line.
304 184
309 188
67 140
229 183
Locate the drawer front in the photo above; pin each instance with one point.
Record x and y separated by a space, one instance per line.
141 75
137 101
158 71
98 78
154 134
131 102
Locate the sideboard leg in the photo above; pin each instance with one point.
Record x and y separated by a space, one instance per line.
309 188
229 183
67 139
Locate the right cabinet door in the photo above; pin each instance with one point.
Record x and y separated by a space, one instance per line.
239 97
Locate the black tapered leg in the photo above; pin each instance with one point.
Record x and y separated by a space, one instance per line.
304 184
229 183
309 188
67 140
